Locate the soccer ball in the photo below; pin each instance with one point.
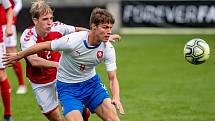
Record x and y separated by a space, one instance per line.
196 51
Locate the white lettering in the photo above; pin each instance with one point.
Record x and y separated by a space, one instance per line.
163 14
136 14
179 13
211 15
127 12
169 14
202 12
190 14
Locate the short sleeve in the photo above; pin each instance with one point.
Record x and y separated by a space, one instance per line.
110 57
68 42
26 40
62 28
62 44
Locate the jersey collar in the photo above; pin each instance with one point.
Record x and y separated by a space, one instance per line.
90 47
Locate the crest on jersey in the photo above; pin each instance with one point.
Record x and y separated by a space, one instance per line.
99 54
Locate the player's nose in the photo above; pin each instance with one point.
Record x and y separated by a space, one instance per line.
50 21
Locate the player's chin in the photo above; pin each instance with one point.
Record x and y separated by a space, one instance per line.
48 29
105 40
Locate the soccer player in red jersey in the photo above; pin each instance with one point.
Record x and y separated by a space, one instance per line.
4 83
11 41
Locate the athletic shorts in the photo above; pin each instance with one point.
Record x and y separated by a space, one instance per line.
2 51
46 97
10 41
74 96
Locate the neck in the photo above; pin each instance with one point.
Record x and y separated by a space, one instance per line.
92 39
42 34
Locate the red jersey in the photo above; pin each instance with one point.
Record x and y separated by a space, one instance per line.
30 37
4 4
1 32
3 19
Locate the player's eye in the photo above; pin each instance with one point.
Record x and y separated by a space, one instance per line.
105 27
44 19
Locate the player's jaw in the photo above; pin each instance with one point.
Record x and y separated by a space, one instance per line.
43 30
106 37
103 36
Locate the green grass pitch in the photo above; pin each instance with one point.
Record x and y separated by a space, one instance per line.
157 84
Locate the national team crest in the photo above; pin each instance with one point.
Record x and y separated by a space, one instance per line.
99 54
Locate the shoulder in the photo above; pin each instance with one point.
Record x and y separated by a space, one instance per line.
58 26
76 38
79 35
108 45
82 33
57 23
27 34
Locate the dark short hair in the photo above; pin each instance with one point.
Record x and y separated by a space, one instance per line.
101 16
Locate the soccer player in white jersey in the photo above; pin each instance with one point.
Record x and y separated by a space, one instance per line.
4 83
41 74
78 83
11 43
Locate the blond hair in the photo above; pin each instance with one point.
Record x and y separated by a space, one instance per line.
40 7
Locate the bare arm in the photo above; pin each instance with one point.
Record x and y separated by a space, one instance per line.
40 62
34 49
114 88
77 29
11 58
9 15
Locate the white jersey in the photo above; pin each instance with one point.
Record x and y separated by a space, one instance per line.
5 3
79 59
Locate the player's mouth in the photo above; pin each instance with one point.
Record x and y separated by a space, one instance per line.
49 28
107 37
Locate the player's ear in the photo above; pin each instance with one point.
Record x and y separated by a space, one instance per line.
93 26
35 20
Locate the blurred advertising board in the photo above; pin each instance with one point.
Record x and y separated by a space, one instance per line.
168 14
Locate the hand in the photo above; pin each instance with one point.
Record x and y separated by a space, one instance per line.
9 59
114 38
118 106
9 31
